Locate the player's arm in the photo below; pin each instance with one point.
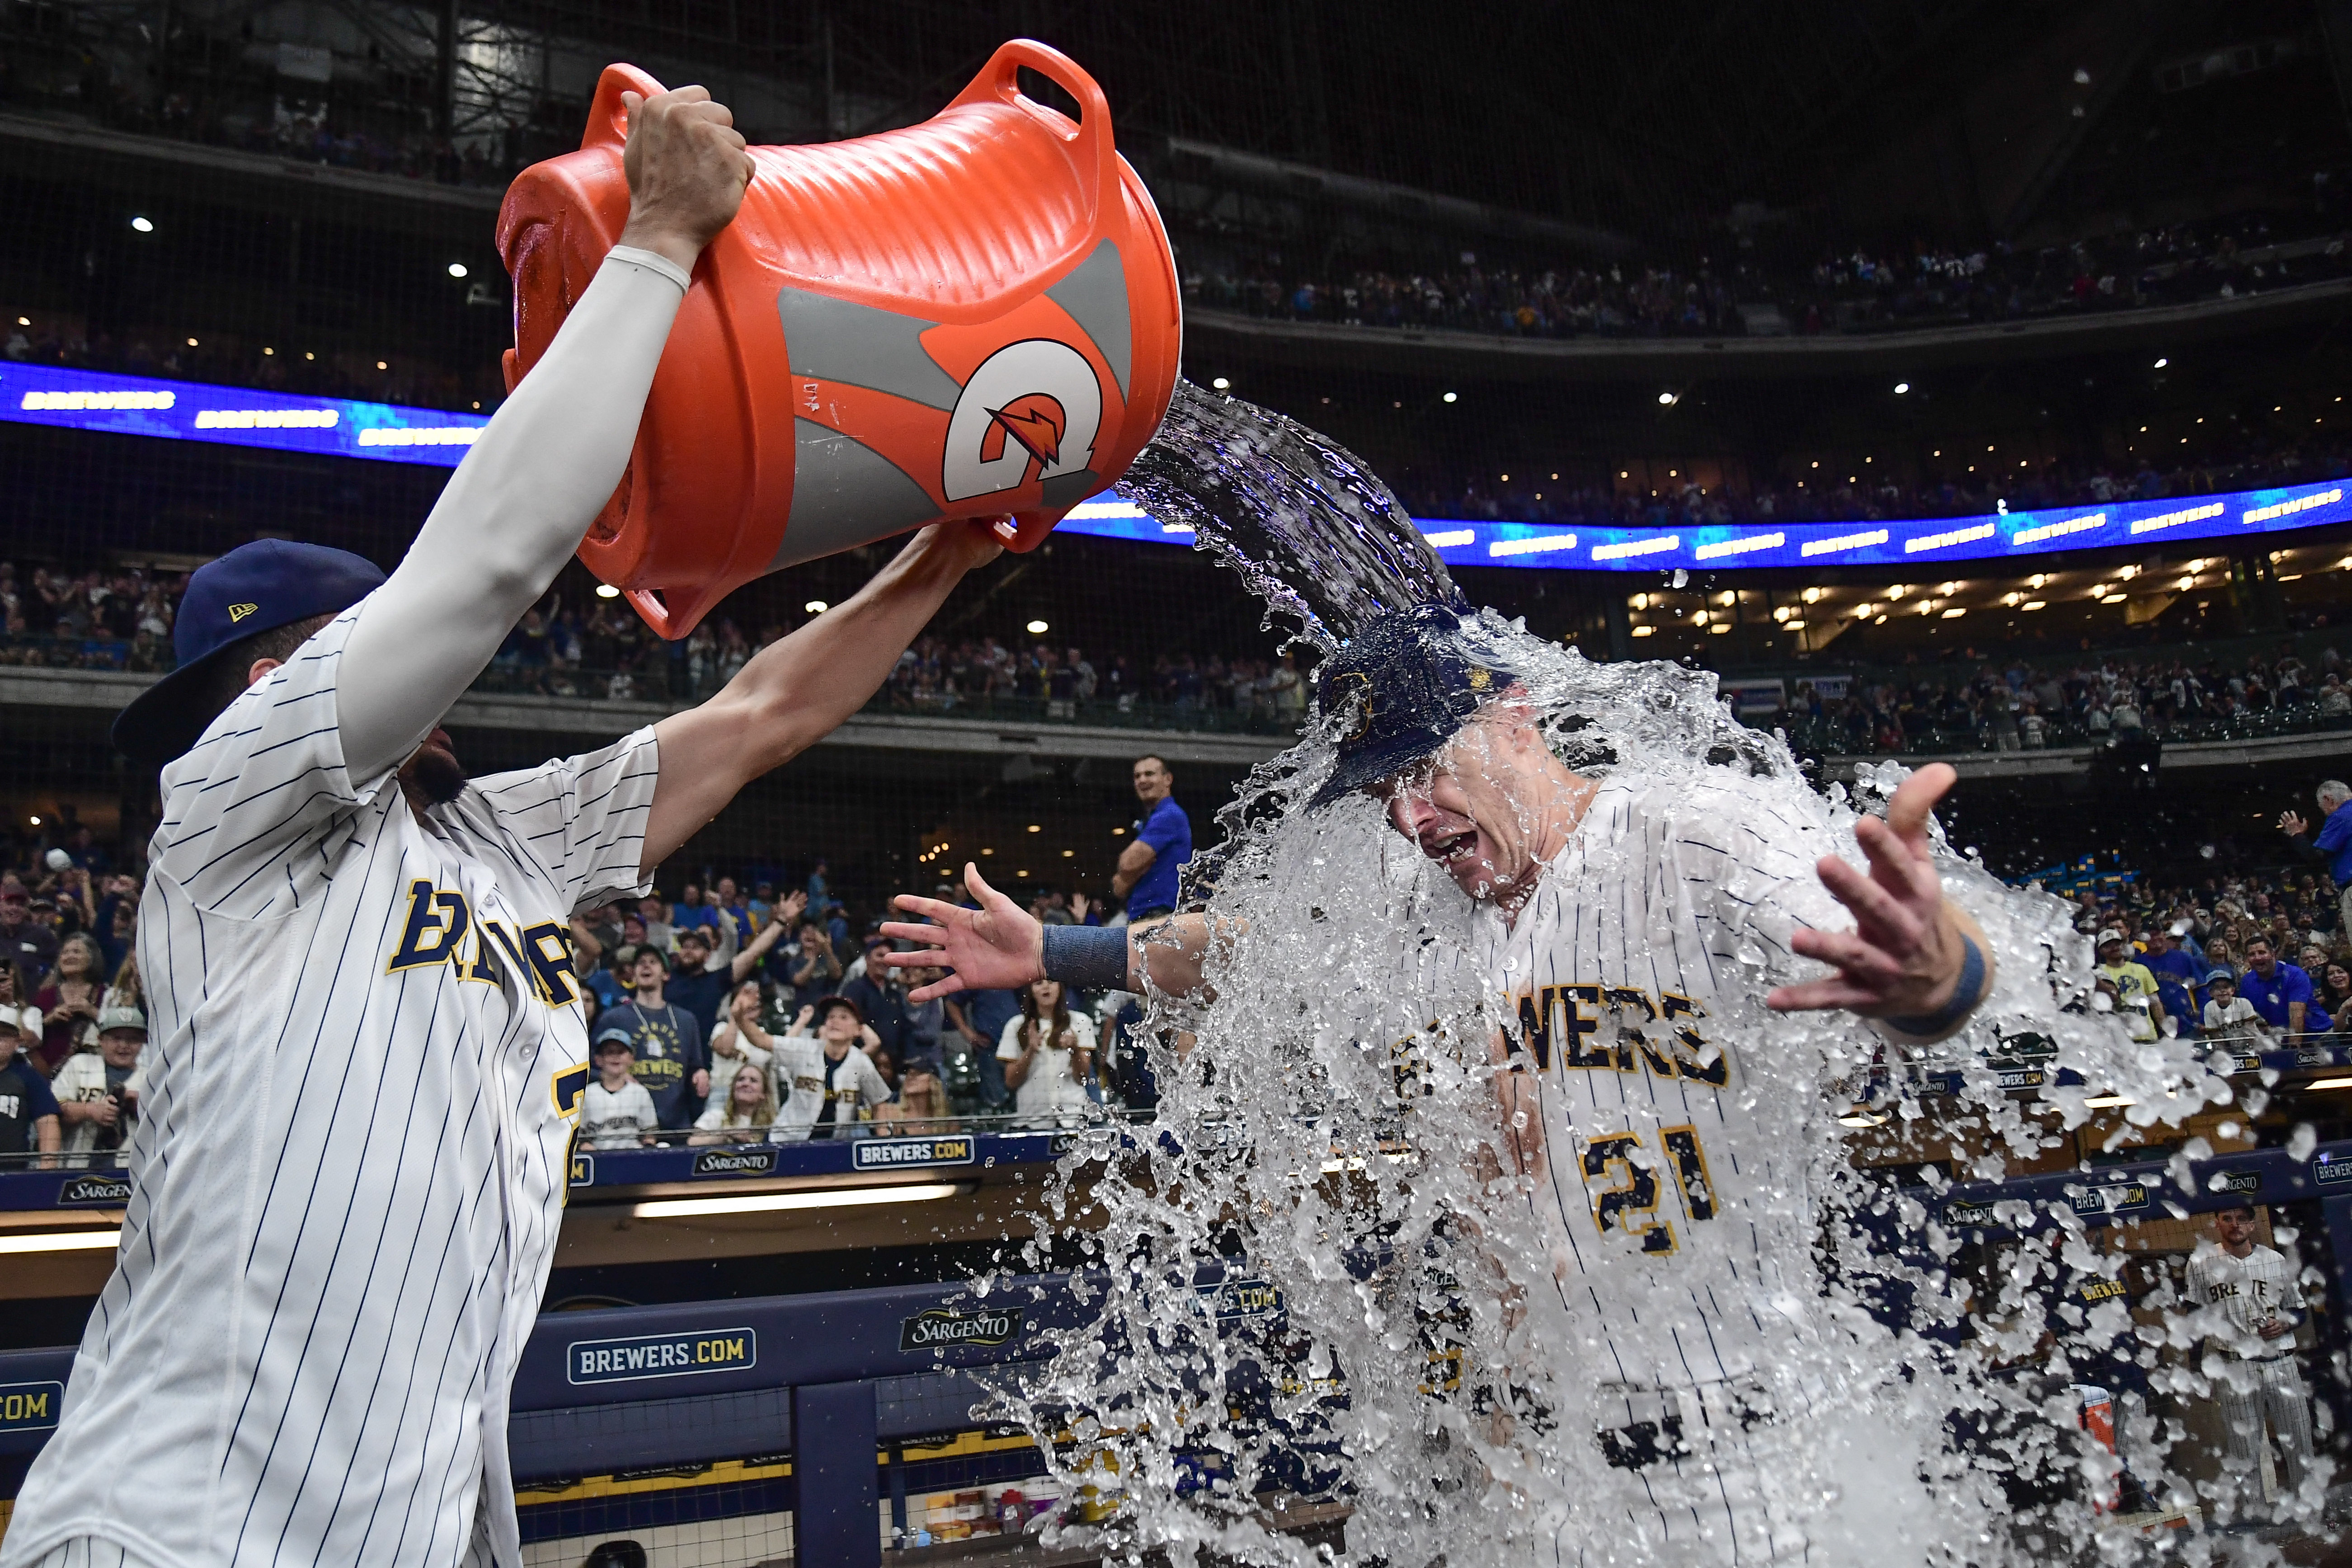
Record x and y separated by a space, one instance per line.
520 504
1517 1104
797 692
1916 963
1000 946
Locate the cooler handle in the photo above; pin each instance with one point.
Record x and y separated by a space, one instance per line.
608 121
1097 156
673 616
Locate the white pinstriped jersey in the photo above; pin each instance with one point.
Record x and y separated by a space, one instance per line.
2247 1292
365 1057
1673 1184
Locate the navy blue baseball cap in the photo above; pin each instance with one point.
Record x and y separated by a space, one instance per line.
255 588
1402 687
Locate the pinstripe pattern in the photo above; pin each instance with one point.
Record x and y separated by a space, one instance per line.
1670 1183
348 1180
2254 1380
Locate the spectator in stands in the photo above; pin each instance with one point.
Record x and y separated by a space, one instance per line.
97 1091
2227 1013
745 1114
654 914
30 943
881 998
921 1110
2135 987
668 1041
616 1113
1048 1055
819 892
2334 844
828 1080
1146 874
700 983
71 1000
2280 991
814 971
29 1111
16 992
2335 994
740 1038
690 910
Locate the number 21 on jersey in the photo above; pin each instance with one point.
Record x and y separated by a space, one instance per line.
1620 1175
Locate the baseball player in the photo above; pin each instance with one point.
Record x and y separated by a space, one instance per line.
2249 1301
1621 923
368 1046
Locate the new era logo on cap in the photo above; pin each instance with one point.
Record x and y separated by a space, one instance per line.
238 611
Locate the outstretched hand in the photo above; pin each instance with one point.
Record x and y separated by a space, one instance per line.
2292 824
999 946
1904 957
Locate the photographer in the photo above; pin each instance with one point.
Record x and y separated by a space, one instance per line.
97 1091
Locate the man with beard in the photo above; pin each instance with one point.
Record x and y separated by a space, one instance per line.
1631 928
369 1048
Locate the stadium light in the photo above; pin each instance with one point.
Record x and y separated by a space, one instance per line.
142 225
1038 628
814 607
1451 398
606 591
2161 361
769 1203
1222 384
457 269
1036 827
63 1241
1667 399
1900 387
2329 1083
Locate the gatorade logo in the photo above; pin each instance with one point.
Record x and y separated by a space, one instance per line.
1037 403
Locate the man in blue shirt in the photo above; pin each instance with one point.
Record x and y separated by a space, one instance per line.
672 1062
2334 844
1146 874
2280 991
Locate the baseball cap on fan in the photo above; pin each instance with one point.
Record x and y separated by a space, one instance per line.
255 588
1403 685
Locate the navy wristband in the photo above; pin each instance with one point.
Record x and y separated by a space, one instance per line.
1087 958
1966 995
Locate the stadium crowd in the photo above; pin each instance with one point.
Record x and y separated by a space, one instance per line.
733 1011
754 1010
2020 707
1848 290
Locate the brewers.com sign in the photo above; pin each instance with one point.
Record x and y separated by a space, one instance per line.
944 1327
911 1153
661 1355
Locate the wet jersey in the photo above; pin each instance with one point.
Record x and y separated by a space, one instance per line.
1632 981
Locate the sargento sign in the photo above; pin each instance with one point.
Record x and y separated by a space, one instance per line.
335 427
948 1326
911 1153
99 1191
734 1162
661 1355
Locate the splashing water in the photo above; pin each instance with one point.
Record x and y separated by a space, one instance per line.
1689 1330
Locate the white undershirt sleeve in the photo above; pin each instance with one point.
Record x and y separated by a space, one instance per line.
514 512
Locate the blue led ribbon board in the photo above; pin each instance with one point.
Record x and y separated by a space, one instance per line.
342 427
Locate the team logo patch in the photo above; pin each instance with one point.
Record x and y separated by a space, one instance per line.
238 611
568 1089
583 1171
945 1326
1032 408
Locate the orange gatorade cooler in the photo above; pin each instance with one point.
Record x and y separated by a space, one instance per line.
973 317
